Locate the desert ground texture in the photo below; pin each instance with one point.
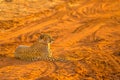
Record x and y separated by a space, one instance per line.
87 32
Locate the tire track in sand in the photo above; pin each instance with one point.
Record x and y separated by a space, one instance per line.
82 34
27 29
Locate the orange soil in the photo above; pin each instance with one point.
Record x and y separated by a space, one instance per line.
85 31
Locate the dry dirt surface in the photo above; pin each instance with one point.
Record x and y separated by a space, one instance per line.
85 31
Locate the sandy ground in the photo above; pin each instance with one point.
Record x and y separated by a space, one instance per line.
85 31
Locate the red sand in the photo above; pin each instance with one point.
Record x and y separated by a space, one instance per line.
86 32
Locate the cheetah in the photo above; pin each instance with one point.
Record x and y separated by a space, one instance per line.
40 50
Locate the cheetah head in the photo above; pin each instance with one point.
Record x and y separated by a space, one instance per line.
45 38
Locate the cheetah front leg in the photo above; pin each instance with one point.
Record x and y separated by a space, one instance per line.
50 53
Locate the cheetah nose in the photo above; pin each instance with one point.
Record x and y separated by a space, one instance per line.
52 39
